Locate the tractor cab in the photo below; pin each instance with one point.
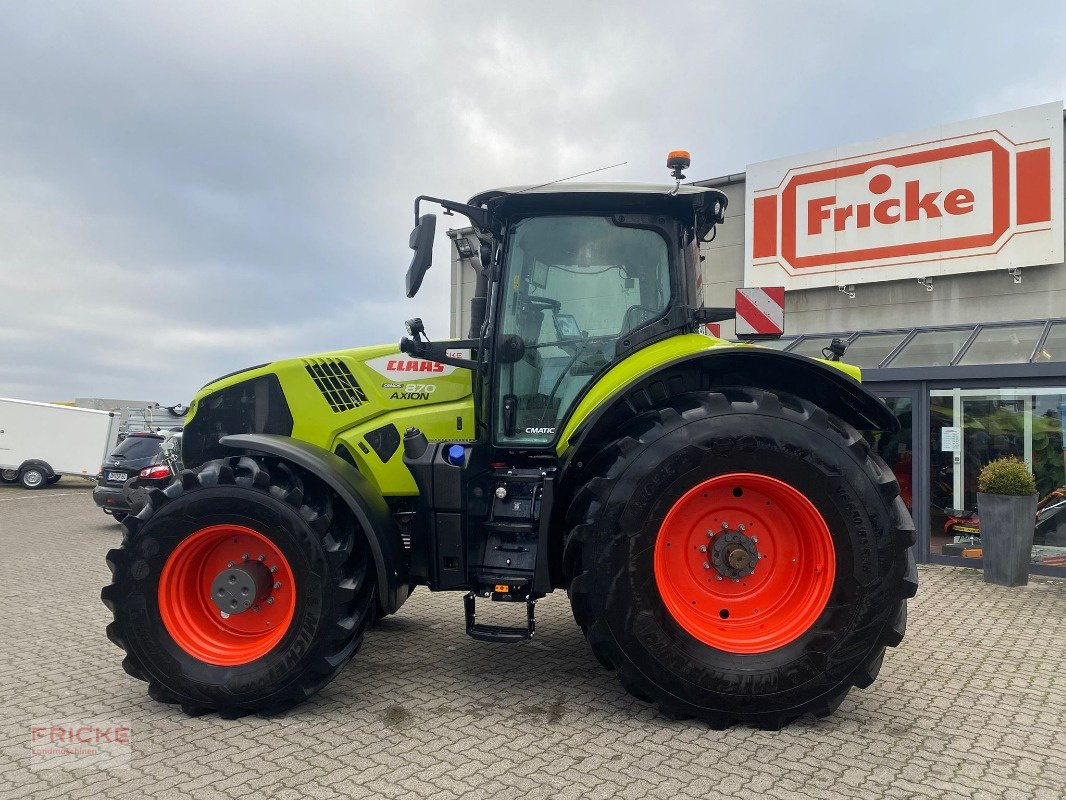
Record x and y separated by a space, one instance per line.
572 279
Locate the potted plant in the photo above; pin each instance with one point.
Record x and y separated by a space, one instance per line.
1006 502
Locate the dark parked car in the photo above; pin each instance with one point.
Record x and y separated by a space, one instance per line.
138 463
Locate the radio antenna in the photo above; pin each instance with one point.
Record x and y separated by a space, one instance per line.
571 177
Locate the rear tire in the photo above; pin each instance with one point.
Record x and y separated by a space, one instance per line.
177 640
664 623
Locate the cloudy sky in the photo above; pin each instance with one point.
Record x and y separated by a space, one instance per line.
188 188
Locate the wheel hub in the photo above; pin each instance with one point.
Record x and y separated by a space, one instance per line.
239 588
227 594
734 554
744 562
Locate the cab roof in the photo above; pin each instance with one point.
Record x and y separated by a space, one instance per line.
707 202
666 189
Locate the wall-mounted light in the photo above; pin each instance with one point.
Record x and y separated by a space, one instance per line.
462 244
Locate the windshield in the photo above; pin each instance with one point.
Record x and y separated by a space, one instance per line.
573 288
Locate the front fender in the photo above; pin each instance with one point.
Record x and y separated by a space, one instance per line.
357 492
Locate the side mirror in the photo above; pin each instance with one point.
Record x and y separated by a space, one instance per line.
422 243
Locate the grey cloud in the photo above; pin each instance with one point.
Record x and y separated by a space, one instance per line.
189 188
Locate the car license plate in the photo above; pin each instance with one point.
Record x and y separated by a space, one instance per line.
966 529
116 476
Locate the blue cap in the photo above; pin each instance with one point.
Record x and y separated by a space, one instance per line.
456 453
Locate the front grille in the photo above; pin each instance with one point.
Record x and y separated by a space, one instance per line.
337 384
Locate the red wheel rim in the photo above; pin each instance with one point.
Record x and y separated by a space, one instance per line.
790 582
194 621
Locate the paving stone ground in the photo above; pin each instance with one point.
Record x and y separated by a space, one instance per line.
973 704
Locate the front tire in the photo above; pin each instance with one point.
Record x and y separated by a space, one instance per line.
294 632
740 556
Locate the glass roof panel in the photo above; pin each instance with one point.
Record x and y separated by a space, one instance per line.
1011 344
776 344
931 348
813 346
868 350
1054 348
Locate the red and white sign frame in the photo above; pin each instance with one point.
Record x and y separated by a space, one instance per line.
968 197
760 312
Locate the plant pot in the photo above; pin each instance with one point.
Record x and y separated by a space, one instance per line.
1007 525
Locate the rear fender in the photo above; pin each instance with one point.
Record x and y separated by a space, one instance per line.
715 368
357 492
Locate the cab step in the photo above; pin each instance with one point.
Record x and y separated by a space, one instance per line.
498 633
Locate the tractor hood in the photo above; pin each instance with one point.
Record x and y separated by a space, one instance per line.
318 398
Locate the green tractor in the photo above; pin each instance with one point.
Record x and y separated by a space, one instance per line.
731 547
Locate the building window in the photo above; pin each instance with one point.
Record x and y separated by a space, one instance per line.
1054 347
868 350
895 447
969 428
934 348
812 347
1009 344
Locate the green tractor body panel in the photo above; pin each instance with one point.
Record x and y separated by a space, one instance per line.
648 360
342 411
338 400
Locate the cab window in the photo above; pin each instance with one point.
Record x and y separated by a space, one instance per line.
573 288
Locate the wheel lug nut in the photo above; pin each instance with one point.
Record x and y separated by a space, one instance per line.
274 569
270 601
255 609
232 564
244 556
725 526
755 539
263 558
706 565
703 548
740 527
277 585
719 577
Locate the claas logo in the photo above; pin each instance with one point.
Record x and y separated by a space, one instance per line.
413 365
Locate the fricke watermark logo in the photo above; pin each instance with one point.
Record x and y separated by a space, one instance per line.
80 744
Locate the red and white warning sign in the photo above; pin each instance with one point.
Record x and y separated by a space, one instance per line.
760 311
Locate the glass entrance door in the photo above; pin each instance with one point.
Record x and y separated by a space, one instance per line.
970 427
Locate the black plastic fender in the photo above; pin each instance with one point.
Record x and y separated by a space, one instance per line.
362 498
36 462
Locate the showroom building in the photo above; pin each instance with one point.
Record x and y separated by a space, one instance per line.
937 257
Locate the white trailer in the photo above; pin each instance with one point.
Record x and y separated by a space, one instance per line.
40 442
